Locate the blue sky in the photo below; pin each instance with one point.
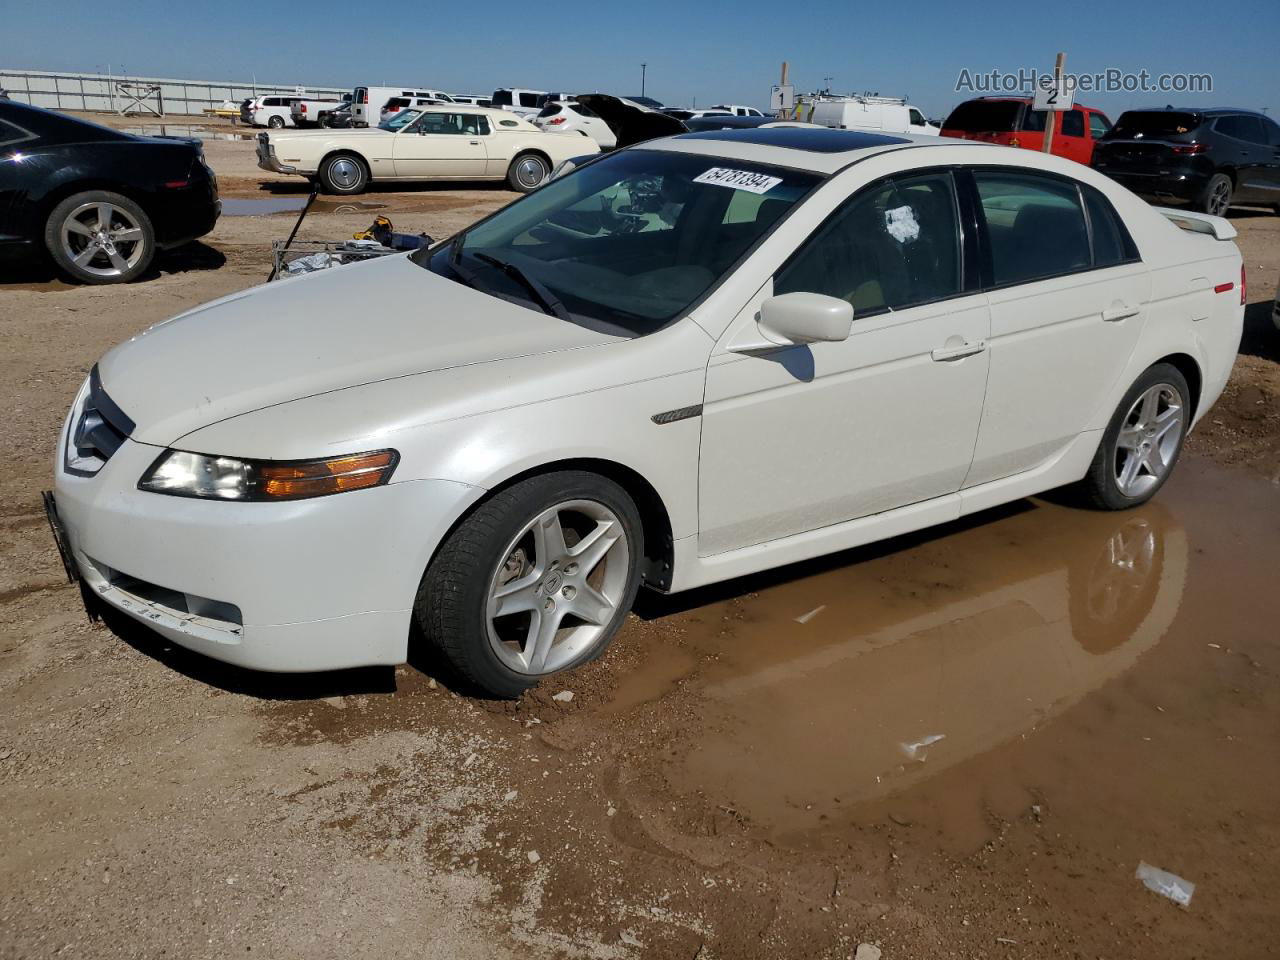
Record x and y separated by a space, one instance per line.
713 52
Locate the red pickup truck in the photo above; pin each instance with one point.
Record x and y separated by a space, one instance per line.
1011 121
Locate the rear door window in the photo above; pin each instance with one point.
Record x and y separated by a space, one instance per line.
528 100
1244 128
1035 226
501 98
1073 123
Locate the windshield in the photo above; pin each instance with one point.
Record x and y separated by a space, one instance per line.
398 120
1154 123
984 116
626 243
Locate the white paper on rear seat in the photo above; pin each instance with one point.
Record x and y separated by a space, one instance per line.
738 179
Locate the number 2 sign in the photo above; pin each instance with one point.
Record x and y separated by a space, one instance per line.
1054 93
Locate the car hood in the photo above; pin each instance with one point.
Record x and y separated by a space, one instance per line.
333 329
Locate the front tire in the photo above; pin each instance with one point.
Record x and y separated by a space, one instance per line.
528 172
275 123
344 174
100 237
536 581
1142 442
1216 198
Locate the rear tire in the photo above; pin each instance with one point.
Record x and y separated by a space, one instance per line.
344 174
1216 196
100 237
555 558
1141 444
275 123
528 172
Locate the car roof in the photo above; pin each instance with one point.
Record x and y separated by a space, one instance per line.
1208 111
821 150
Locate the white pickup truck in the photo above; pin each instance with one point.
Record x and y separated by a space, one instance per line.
306 113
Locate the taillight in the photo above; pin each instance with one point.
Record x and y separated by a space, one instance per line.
302 107
1015 142
1244 287
393 109
1188 149
364 97
556 121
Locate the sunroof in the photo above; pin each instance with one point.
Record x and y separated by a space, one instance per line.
800 138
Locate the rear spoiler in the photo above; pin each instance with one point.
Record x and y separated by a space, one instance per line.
1216 227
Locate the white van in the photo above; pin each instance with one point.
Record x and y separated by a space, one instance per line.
526 103
882 114
367 102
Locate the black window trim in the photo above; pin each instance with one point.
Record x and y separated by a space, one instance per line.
988 265
966 238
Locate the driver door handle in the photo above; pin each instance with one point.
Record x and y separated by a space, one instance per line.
1121 311
947 354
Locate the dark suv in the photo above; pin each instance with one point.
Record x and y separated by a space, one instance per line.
1211 158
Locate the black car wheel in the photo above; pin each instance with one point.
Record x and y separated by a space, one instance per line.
100 237
344 174
1216 198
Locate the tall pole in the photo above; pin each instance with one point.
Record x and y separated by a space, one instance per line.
1051 120
643 68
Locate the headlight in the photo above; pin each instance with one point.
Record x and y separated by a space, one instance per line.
183 474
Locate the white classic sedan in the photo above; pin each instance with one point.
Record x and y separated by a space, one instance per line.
443 142
680 363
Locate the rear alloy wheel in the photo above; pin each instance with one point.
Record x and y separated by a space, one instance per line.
275 123
528 172
537 580
1216 198
1141 444
344 174
100 237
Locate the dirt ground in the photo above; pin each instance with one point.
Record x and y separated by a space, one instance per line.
961 743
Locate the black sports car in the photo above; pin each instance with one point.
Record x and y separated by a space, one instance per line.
99 201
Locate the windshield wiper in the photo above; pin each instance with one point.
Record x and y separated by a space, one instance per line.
546 299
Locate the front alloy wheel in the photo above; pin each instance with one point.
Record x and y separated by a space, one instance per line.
537 579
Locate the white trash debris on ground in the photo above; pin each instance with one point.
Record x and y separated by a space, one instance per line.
806 617
1166 884
867 951
564 696
913 750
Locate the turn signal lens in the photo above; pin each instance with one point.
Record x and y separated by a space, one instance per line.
182 474
319 478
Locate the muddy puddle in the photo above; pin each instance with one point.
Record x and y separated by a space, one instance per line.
264 206
891 685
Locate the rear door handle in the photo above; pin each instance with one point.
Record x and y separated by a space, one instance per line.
1121 311
947 354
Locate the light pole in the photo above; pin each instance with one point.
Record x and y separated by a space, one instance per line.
643 68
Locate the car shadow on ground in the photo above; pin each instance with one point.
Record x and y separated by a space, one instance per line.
1260 338
233 679
39 273
651 605
300 187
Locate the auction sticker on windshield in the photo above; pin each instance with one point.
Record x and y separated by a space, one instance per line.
738 179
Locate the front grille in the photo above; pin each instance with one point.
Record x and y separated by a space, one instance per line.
162 604
98 431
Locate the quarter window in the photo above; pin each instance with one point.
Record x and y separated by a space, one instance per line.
893 245
1035 226
11 133
1111 241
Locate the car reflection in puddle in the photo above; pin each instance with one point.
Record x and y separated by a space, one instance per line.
837 690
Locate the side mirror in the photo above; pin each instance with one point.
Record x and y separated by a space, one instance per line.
796 318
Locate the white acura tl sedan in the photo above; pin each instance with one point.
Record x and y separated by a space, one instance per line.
682 362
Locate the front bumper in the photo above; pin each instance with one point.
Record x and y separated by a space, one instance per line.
267 159
297 586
